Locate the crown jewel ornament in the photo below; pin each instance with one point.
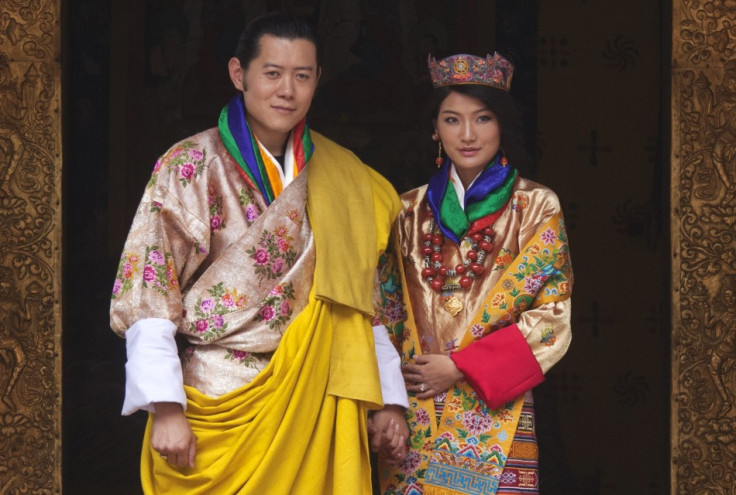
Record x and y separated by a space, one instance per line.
494 70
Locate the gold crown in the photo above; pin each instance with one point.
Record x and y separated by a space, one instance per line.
494 70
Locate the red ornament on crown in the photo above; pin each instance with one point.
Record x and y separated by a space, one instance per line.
494 70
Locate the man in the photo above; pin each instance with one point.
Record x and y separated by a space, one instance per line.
257 244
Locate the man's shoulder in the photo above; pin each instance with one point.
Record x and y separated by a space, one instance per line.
199 141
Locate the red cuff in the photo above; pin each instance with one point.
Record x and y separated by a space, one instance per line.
500 366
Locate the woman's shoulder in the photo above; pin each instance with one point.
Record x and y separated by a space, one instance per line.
536 193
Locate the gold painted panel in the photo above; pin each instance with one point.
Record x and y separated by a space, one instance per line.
703 223
30 242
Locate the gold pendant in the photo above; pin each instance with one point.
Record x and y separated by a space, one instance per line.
453 305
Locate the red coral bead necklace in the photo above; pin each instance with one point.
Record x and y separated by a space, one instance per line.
436 274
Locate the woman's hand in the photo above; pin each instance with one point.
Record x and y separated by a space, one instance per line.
430 375
171 435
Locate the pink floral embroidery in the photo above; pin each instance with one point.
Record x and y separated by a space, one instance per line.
422 416
185 160
156 257
261 256
239 355
159 272
295 217
285 308
215 203
410 463
245 358
127 268
209 311
475 423
251 213
267 313
276 308
477 330
187 171
532 284
251 209
549 236
270 260
277 265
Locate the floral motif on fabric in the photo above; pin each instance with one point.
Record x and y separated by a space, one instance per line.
214 201
156 207
477 330
477 426
185 160
277 307
209 311
504 258
390 310
519 202
158 270
244 358
543 265
127 269
252 211
295 216
548 336
499 301
273 254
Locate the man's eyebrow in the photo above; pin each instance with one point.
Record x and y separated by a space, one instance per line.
269 65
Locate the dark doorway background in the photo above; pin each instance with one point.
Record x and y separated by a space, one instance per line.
143 74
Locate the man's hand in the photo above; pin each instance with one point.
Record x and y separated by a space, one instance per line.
171 435
388 433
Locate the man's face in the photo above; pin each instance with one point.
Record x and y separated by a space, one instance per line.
278 86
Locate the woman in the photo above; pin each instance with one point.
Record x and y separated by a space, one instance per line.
486 277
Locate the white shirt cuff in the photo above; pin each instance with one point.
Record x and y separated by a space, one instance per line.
153 371
389 369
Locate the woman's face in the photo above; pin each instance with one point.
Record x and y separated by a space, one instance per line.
470 134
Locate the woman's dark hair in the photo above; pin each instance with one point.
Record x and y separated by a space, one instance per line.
502 105
278 25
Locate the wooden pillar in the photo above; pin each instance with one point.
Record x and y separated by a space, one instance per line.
703 226
30 247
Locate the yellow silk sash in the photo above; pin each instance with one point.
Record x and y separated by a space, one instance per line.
280 434
443 460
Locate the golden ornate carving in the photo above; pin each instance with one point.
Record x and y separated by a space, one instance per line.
30 234
704 247
706 30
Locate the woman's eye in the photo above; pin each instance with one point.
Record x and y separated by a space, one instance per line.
485 118
450 120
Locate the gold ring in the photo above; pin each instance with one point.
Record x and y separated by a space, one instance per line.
164 456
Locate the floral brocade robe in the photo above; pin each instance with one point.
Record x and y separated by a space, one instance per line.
442 321
205 252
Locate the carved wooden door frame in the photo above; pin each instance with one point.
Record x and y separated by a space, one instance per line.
703 240
30 247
